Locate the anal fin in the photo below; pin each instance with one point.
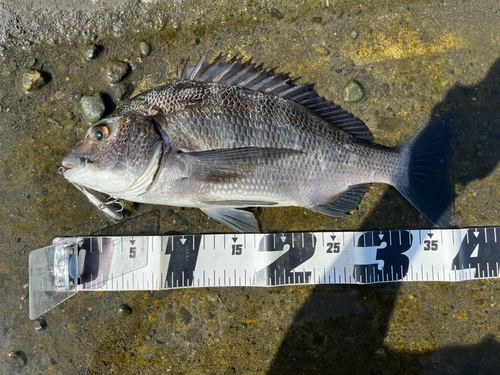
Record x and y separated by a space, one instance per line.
342 204
239 220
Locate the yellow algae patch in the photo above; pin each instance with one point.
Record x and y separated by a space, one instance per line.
398 39
146 83
299 63
4 268
460 316
307 66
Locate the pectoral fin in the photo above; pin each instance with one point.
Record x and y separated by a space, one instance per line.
239 220
241 203
229 165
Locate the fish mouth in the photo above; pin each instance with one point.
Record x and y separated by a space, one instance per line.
72 163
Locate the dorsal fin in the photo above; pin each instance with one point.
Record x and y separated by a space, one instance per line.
236 73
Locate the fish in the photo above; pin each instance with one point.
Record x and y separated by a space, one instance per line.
227 136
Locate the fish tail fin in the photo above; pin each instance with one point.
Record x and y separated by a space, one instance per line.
423 176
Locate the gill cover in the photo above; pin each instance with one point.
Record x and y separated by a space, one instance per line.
119 156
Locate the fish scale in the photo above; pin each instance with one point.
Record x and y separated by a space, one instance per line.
226 136
328 149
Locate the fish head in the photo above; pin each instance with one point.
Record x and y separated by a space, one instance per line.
119 156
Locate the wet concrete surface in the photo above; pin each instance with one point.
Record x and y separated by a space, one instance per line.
415 60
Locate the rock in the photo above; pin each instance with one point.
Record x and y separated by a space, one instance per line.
32 79
322 50
144 49
92 107
116 70
185 315
276 14
90 52
125 310
40 324
17 360
119 91
353 92
354 34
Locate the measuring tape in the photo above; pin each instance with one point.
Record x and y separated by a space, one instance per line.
80 264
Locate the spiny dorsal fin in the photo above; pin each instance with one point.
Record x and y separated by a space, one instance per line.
248 76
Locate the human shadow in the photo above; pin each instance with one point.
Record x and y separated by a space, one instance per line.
341 329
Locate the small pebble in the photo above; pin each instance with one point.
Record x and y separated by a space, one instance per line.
90 52
185 315
31 63
459 188
322 50
353 92
8 67
76 96
32 79
40 324
276 13
151 335
116 70
93 107
119 90
354 34
16 360
144 49
125 310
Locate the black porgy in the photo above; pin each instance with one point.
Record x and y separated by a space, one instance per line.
226 136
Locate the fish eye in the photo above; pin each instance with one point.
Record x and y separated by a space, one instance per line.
100 132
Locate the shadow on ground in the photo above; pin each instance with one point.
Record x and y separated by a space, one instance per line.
322 341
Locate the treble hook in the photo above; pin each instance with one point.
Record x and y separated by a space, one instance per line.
111 202
106 207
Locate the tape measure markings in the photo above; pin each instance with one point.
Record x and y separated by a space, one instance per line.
185 261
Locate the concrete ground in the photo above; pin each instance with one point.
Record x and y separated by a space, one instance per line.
416 60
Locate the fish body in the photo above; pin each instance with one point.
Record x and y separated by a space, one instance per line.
226 137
